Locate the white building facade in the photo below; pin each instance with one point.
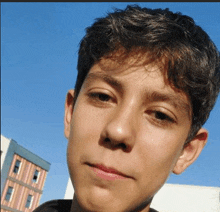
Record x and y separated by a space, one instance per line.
4 148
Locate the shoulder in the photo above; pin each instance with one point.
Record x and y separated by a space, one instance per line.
59 205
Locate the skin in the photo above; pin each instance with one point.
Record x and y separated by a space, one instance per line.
118 123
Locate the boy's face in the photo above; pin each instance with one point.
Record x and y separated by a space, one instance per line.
126 135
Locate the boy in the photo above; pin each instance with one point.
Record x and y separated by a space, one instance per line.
147 81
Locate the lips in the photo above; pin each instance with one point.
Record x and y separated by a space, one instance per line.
107 173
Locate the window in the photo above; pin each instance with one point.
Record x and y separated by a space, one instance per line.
29 201
35 177
9 193
17 165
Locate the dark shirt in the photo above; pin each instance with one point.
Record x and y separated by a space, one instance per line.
55 206
59 206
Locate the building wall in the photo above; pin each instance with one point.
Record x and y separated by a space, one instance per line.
15 148
4 148
23 185
19 197
187 198
179 198
26 172
69 190
7 160
22 182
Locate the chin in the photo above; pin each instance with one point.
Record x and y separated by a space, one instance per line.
97 201
103 201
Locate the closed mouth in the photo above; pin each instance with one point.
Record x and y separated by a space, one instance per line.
108 171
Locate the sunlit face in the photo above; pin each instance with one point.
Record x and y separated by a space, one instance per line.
127 132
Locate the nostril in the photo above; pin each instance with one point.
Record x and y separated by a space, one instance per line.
115 145
123 146
107 140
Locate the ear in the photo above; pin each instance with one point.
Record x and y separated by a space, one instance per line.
191 151
69 104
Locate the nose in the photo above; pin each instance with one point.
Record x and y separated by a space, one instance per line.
120 129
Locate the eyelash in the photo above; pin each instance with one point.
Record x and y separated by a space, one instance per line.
99 97
161 118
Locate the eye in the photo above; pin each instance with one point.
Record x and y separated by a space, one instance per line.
100 96
161 118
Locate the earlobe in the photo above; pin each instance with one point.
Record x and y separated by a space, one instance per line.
69 104
191 151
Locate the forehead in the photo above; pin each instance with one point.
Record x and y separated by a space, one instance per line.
123 66
120 62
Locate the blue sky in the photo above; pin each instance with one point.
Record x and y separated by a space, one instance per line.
39 44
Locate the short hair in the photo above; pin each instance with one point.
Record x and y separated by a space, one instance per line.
190 59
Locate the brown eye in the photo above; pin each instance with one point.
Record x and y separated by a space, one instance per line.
162 116
103 97
100 96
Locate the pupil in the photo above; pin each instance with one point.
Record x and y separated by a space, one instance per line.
161 116
103 97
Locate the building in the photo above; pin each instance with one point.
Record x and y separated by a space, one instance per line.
179 198
187 198
23 175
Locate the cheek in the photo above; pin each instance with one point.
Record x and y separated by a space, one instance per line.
160 153
86 119
85 130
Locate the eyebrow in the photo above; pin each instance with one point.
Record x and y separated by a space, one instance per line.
107 78
155 96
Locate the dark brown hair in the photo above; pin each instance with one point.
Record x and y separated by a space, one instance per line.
191 58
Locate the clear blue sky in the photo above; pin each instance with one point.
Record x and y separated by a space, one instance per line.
39 44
